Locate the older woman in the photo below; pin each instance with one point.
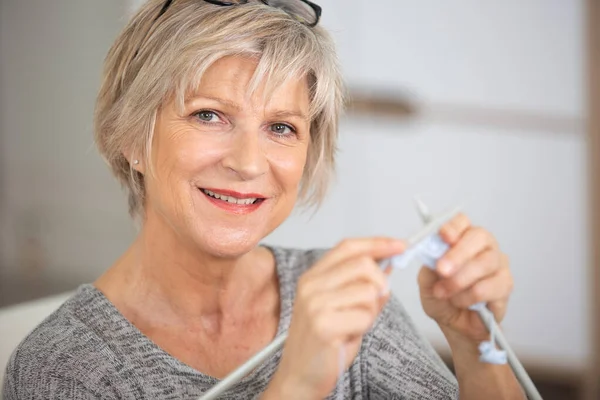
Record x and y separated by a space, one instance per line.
218 117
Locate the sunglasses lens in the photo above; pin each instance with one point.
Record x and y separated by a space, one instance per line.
297 9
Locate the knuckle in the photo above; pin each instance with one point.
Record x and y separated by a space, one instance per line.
373 298
345 244
321 328
481 232
458 223
316 324
447 228
465 219
455 284
478 293
303 293
488 260
364 265
452 257
491 256
302 282
486 235
461 217
312 308
363 261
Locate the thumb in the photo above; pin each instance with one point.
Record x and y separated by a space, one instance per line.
427 279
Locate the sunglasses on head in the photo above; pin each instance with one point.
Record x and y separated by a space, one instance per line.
303 11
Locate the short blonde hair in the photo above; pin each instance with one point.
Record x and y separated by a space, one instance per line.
154 61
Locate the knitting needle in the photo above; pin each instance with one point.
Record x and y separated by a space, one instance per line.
489 321
232 379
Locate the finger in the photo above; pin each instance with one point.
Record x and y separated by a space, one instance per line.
498 308
452 230
387 270
427 279
473 242
358 295
357 269
342 325
377 248
495 288
483 265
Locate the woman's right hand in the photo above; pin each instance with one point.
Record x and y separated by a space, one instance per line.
337 302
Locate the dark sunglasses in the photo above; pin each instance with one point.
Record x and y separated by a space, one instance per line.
304 11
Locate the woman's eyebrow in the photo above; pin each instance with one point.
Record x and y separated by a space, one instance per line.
290 113
225 102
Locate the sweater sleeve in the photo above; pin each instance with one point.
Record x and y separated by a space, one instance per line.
48 388
24 380
401 364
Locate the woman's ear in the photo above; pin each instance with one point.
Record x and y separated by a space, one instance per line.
134 161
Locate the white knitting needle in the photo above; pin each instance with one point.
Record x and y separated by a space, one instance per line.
232 379
489 321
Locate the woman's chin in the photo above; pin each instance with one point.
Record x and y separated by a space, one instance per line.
228 246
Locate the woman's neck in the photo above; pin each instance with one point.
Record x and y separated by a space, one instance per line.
161 278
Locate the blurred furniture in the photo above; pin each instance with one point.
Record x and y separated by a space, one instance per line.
18 320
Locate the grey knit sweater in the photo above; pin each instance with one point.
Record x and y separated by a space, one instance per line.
88 350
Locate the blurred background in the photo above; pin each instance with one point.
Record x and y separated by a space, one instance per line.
477 103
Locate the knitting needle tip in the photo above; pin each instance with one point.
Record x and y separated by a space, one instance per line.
423 210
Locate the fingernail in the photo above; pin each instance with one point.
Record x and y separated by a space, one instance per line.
439 292
445 267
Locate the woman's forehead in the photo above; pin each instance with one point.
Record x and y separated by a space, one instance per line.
229 80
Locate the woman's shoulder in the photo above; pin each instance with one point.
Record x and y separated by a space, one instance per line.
64 347
296 258
292 262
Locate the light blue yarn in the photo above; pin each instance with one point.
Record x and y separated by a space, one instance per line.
489 353
429 251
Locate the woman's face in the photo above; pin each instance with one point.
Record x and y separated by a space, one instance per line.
227 171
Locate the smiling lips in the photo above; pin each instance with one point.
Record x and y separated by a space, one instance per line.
234 202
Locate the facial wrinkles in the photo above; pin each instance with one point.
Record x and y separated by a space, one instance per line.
247 115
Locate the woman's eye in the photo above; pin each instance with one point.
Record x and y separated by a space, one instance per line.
207 116
282 129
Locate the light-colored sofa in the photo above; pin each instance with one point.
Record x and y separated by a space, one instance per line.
18 320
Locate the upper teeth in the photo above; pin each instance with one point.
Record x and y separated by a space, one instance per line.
229 199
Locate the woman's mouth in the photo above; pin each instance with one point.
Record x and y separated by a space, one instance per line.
235 202
230 199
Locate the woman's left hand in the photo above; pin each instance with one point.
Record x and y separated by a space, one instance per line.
473 270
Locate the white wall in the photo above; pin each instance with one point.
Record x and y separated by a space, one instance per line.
55 186
527 187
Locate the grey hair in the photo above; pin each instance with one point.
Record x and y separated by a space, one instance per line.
154 61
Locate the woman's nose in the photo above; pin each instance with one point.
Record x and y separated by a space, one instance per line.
246 157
